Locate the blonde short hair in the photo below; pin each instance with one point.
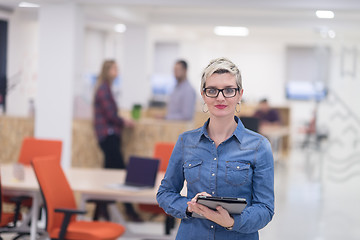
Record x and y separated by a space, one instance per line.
221 65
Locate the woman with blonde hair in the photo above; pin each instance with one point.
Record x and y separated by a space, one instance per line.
109 125
222 159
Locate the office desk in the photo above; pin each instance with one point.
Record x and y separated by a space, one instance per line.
93 183
276 134
89 183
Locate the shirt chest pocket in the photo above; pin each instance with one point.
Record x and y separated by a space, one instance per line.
237 173
192 170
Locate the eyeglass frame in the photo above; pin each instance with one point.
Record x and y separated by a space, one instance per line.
222 91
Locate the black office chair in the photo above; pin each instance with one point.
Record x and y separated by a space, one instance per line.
251 123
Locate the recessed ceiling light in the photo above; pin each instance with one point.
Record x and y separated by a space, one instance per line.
231 31
28 5
331 34
120 28
325 14
326 32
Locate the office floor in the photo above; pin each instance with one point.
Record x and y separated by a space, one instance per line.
309 204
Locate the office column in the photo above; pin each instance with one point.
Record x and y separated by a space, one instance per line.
134 70
60 35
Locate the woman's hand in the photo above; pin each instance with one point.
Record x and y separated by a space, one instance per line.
220 216
128 123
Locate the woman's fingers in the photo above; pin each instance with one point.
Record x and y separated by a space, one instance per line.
198 208
221 210
189 208
200 194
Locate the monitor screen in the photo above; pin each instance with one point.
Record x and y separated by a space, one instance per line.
305 90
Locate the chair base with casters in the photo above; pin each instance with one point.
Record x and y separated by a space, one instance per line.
9 220
156 210
101 208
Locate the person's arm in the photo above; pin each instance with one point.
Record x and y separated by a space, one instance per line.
168 195
261 211
108 107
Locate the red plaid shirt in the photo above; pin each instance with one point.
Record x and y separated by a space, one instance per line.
107 121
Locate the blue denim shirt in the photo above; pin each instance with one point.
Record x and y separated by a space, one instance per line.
242 166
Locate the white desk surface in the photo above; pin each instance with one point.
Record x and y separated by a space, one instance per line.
83 181
274 131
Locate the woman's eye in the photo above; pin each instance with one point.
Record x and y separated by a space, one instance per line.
212 91
229 90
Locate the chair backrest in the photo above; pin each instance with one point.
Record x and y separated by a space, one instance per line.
32 147
251 123
55 189
163 151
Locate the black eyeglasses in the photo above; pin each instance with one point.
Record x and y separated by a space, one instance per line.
226 92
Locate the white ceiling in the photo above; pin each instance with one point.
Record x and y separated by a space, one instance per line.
250 13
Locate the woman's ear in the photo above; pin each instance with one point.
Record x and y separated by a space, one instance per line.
241 93
202 95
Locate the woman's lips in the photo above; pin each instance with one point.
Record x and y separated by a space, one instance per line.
220 106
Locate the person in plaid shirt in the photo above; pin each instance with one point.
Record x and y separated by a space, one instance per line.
109 125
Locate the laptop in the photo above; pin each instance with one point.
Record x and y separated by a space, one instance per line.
140 174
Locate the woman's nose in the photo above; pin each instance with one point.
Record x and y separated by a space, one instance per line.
220 96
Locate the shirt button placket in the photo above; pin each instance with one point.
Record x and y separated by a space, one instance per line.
213 175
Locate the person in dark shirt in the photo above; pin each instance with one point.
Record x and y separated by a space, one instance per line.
267 115
109 125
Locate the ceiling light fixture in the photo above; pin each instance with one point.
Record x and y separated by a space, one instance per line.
120 28
325 14
231 31
28 5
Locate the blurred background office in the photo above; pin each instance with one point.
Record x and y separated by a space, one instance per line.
302 56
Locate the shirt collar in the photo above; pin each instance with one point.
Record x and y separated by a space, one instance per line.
238 133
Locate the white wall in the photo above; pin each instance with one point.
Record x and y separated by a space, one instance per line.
59 64
22 68
136 79
99 45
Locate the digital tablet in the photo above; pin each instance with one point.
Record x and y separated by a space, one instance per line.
232 205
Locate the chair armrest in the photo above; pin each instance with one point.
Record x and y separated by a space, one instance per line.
19 199
68 212
101 201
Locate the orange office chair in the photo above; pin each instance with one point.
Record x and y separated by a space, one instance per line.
61 208
34 147
163 151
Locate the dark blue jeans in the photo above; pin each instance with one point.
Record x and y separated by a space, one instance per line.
111 147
